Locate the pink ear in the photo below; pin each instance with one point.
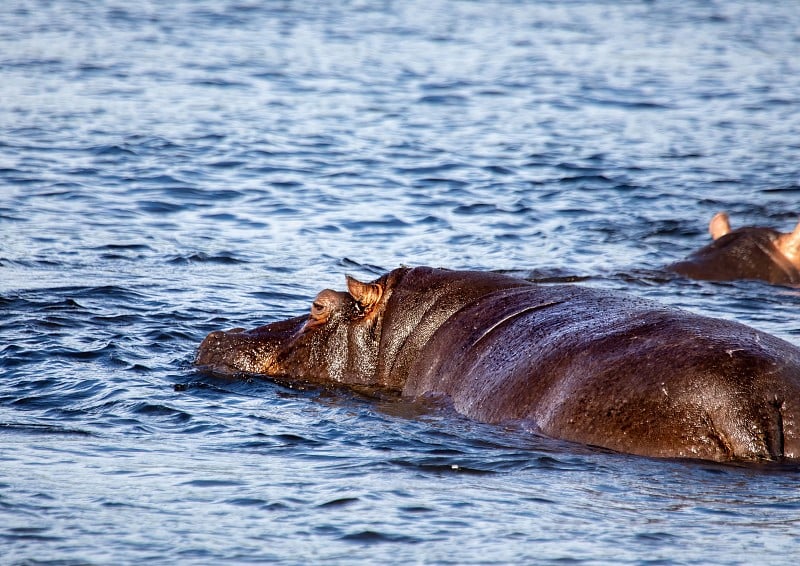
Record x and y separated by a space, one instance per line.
789 245
719 225
365 294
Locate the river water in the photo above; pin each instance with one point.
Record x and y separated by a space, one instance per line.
168 169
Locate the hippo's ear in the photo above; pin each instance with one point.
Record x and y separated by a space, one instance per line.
719 225
366 294
789 244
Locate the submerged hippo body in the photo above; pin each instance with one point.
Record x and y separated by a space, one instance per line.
750 252
568 362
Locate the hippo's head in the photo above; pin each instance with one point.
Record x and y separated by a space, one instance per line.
367 337
337 342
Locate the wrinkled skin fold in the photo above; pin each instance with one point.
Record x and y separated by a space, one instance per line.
572 363
750 252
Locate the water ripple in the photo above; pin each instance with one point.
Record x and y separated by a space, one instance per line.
167 172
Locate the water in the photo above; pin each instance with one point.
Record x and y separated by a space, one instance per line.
171 169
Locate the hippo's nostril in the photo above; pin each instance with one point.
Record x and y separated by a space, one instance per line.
209 348
213 339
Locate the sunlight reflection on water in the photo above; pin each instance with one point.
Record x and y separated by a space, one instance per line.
171 170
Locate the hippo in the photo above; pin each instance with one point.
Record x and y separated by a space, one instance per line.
751 252
579 364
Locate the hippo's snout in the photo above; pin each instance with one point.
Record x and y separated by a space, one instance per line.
229 352
209 347
216 352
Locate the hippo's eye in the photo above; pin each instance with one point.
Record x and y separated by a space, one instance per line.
319 315
317 308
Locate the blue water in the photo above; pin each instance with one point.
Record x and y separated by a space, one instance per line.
168 169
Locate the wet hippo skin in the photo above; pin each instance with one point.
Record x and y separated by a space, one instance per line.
573 363
750 252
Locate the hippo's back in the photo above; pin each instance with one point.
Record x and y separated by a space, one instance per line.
619 372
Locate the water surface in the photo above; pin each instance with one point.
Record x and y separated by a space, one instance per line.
168 170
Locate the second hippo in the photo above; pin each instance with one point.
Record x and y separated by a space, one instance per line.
750 252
